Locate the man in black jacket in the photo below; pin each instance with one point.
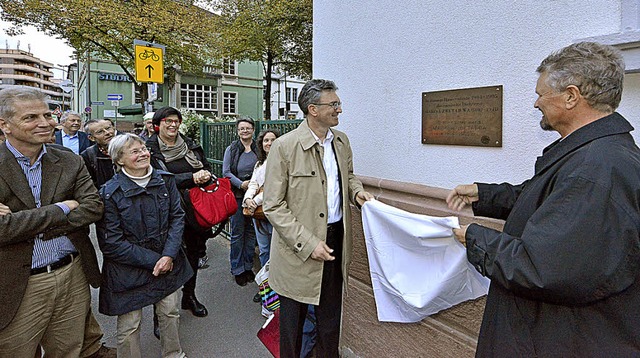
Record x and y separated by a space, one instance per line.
96 157
565 271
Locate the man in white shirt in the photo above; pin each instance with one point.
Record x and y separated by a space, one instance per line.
309 183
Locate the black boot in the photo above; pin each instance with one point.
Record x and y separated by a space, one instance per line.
190 302
156 326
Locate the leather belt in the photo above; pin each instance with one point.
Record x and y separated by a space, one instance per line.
56 265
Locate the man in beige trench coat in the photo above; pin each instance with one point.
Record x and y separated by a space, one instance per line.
309 184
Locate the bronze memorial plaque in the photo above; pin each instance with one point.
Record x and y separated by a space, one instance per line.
470 116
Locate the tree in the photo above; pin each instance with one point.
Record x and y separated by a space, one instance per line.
106 29
274 32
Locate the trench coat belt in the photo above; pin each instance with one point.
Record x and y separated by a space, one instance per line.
56 265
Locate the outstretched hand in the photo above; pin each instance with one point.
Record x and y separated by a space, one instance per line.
363 196
461 196
461 234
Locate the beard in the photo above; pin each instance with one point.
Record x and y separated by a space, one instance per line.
545 125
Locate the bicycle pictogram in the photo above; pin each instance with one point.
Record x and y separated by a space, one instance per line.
149 54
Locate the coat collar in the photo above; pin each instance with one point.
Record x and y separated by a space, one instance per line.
306 137
130 188
603 127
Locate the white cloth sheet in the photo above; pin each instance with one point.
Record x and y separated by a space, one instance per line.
417 266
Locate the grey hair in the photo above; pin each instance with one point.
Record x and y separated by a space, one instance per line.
596 69
68 114
9 97
117 145
246 120
312 91
93 121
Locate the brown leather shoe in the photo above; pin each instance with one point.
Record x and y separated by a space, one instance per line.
104 352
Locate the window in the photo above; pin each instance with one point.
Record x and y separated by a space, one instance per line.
229 67
198 97
292 94
229 102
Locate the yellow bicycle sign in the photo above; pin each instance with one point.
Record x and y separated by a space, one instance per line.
146 54
149 63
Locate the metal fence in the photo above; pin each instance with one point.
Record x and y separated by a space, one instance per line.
216 137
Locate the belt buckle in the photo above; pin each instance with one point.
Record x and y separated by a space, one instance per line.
49 269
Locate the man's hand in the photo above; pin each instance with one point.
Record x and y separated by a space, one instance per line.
363 196
72 204
460 234
4 210
164 265
322 252
461 196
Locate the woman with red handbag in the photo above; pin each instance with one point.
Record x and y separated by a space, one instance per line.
180 155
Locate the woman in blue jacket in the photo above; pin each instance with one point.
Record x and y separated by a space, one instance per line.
140 237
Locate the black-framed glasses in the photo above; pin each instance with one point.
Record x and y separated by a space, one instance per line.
335 105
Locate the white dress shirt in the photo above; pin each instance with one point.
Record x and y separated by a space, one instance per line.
330 165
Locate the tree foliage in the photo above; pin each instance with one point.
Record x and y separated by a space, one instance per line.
274 32
106 29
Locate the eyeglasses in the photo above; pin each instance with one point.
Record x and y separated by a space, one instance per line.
170 122
103 130
136 152
245 129
335 105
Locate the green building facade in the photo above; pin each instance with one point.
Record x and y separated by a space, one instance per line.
233 91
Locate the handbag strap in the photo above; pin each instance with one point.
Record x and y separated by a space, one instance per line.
216 182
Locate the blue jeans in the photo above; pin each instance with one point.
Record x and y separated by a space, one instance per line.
308 332
263 235
243 242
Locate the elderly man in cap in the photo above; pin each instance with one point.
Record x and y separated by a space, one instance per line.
147 131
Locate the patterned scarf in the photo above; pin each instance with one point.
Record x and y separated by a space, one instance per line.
179 151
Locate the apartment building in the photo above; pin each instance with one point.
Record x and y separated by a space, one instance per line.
22 68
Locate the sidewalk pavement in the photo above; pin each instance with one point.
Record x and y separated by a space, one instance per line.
228 331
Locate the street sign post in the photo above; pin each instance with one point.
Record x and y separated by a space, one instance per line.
149 62
115 97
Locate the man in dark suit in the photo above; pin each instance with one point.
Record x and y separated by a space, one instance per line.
70 136
48 201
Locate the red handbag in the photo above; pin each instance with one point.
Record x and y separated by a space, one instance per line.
213 203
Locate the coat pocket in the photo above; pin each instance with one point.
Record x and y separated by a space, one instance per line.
125 278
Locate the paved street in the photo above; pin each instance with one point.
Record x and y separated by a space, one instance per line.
231 326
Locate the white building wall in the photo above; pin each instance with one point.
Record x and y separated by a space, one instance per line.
384 54
279 96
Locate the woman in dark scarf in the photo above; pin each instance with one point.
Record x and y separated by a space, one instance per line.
180 155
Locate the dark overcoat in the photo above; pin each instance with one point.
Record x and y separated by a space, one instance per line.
140 225
565 277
